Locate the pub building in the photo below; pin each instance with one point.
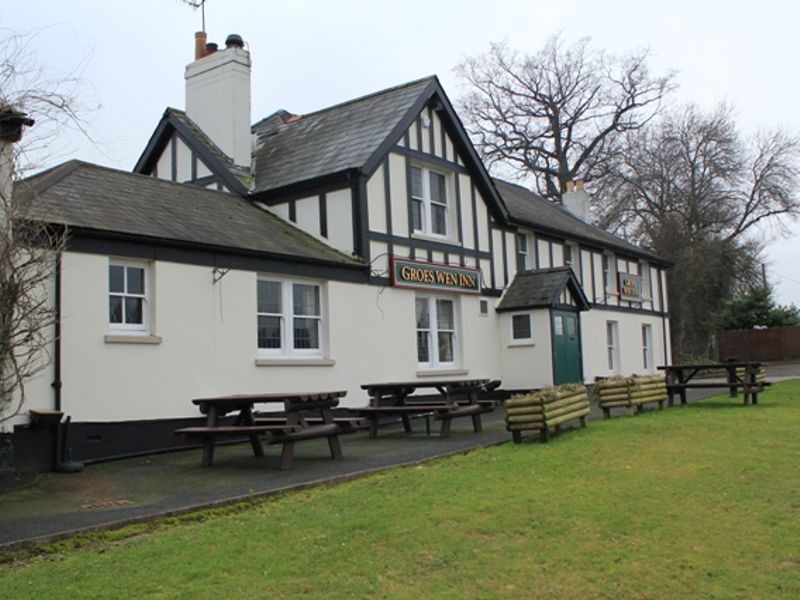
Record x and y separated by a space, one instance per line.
360 243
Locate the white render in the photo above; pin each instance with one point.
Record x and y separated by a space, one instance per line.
218 100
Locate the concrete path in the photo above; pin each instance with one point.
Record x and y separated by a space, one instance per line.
49 506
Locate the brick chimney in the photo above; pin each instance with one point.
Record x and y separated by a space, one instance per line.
577 200
218 95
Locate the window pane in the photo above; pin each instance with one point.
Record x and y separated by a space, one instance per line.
269 332
306 299
423 318
522 242
444 315
416 182
116 279
438 219
445 347
438 191
571 326
521 326
306 333
115 309
269 297
416 215
609 334
423 352
133 311
135 278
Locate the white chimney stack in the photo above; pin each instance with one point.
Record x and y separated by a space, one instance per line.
577 200
218 96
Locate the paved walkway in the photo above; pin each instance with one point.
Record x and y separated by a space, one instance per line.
51 505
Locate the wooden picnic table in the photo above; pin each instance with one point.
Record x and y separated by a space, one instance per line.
459 398
682 377
293 428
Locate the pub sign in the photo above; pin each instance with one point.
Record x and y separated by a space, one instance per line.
416 274
630 287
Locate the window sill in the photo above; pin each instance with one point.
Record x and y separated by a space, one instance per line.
442 239
441 372
295 362
121 338
522 344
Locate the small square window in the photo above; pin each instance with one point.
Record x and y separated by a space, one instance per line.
484 308
521 327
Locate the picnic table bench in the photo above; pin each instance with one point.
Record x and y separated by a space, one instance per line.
744 375
292 428
459 398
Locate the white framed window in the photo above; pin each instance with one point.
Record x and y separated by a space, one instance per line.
523 255
521 328
430 213
612 345
437 332
647 348
290 318
128 289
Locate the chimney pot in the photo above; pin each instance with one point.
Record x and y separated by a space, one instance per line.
211 47
200 39
234 40
579 185
570 185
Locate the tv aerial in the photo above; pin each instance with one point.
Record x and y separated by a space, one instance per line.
201 4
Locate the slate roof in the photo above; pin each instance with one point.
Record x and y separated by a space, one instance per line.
90 197
542 288
531 209
293 148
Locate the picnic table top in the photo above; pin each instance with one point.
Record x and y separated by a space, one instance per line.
424 383
239 399
722 365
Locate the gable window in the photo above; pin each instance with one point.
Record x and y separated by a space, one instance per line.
127 296
289 318
436 332
521 328
523 256
429 208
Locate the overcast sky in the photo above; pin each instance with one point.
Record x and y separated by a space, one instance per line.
310 54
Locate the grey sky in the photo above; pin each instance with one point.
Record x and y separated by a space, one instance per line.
308 55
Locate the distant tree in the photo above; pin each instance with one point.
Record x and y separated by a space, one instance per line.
558 114
692 191
28 249
757 308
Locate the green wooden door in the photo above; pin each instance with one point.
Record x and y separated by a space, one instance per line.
567 364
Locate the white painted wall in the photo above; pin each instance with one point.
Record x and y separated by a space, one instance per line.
340 220
530 365
208 343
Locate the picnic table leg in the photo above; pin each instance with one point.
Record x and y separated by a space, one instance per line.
406 423
287 455
373 426
445 430
333 440
212 419
477 426
246 417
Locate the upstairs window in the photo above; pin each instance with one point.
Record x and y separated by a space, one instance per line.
127 296
289 318
429 207
523 256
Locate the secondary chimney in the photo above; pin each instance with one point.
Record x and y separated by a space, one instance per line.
200 45
218 96
577 201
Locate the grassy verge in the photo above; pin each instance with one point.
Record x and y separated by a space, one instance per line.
701 501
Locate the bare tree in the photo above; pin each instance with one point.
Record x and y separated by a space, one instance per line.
693 191
28 248
557 115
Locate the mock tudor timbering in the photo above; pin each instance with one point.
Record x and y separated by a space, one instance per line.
214 270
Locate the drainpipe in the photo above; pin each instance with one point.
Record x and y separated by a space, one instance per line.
57 341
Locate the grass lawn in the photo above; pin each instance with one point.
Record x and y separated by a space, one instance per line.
694 502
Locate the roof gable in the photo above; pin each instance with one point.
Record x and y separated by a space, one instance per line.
542 288
173 121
